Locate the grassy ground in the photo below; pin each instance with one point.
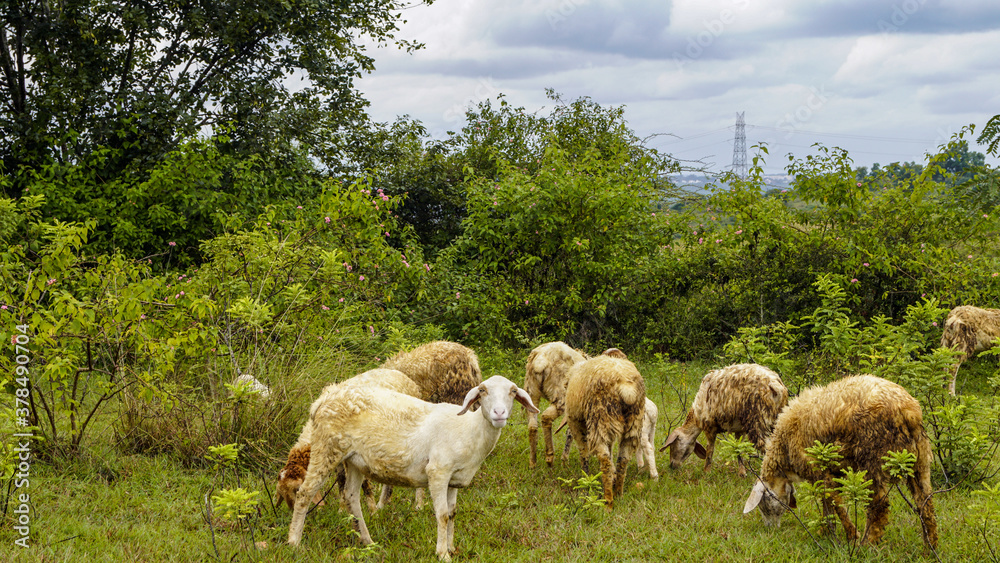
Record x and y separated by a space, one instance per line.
111 507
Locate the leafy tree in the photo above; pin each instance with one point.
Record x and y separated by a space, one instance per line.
78 77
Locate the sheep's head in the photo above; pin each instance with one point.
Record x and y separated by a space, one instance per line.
682 441
293 474
496 397
772 498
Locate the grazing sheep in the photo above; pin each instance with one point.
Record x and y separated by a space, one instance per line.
742 399
396 439
969 330
253 385
605 402
443 370
647 439
868 417
545 376
291 476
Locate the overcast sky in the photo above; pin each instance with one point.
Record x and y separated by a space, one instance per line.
888 80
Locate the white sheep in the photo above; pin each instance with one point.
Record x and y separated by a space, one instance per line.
252 385
291 476
605 403
969 330
867 417
647 439
396 439
742 399
545 377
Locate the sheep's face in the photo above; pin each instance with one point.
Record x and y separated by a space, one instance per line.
496 397
294 473
288 487
772 499
681 445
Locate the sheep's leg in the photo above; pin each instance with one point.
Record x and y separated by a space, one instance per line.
323 460
452 511
603 453
437 484
579 434
878 516
366 488
710 448
548 417
920 488
850 530
352 493
383 498
533 436
418 499
569 440
646 445
626 449
954 374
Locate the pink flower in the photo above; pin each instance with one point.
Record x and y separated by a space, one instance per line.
854 280
51 281
349 268
995 274
495 203
298 207
739 232
458 294
428 267
718 240
387 233
701 240
172 243
970 257
371 328
866 264
525 301
341 299
361 278
181 293
4 307
859 184
140 316
934 323
325 308
327 219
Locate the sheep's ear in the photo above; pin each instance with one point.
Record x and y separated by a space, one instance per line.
791 495
670 440
525 400
755 495
471 398
699 450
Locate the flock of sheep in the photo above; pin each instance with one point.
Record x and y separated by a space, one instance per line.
426 419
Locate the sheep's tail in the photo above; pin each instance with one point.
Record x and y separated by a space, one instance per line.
631 392
920 488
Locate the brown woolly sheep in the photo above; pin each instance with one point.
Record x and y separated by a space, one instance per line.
545 376
868 417
291 476
969 330
443 370
605 402
744 399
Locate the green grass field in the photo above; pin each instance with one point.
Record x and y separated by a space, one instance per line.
107 506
